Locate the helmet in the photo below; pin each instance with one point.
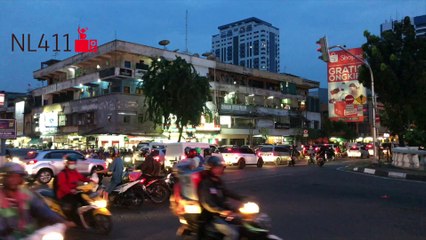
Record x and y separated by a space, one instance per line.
192 153
71 158
187 151
198 150
214 161
11 167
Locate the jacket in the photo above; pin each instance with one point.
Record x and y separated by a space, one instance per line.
150 166
68 180
213 195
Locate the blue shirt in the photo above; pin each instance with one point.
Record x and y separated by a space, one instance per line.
117 168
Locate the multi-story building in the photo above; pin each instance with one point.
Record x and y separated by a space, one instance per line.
419 23
96 99
251 43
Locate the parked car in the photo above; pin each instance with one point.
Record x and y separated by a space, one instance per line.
276 154
174 152
358 151
240 156
44 165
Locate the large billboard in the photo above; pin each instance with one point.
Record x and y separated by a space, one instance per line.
346 96
7 129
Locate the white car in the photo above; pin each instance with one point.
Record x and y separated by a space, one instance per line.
239 156
358 151
274 154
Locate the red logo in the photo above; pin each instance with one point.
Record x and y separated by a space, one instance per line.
83 44
349 99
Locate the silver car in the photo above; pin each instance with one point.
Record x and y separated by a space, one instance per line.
44 165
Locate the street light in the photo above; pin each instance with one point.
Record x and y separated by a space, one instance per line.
373 95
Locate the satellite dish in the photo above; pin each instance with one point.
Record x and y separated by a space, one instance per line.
164 43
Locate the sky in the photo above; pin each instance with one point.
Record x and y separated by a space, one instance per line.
301 24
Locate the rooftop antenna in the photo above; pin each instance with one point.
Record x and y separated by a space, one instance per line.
186 31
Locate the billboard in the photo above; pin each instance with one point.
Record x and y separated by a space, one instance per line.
7 128
2 99
346 96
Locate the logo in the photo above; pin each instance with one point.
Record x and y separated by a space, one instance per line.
84 45
34 43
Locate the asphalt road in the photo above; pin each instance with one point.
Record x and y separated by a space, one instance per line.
304 202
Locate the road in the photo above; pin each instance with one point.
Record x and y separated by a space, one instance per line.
304 202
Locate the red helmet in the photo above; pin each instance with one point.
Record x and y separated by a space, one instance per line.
192 153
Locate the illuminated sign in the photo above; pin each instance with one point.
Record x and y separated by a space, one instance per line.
7 129
346 96
48 122
2 99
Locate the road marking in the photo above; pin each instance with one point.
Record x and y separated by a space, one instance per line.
397 175
369 170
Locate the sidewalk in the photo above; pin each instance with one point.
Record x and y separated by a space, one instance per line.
387 170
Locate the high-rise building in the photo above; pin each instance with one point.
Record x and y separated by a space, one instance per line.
419 23
251 43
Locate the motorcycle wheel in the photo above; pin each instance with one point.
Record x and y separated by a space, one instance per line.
103 224
320 163
158 193
139 198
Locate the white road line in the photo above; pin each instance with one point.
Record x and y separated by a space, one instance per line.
397 175
369 170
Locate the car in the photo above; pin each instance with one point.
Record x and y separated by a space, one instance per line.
276 154
44 165
17 154
174 152
358 151
240 156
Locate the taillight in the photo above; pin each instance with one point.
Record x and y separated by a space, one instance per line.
142 180
34 161
157 158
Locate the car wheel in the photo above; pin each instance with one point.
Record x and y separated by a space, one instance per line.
44 176
241 163
277 162
259 163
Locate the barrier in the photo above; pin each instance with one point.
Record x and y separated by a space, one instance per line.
409 158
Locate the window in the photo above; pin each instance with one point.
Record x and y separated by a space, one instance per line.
126 89
54 155
126 119
127 64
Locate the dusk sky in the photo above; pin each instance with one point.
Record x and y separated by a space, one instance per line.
301 24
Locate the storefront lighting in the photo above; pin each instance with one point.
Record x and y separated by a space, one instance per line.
99 80
80 85
98 67
271 97
230 93
251 95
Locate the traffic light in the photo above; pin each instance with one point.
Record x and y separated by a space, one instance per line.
323 49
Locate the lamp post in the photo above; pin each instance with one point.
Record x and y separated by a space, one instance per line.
373 95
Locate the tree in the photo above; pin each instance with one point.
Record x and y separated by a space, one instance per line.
398 61
173 89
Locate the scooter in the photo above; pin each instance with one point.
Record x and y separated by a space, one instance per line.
251 223
320 160
129 194
51 232
93 215
155 188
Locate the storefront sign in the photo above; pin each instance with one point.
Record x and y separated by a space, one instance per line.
7 129
2 99
346 96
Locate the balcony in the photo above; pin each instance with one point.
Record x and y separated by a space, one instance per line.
248 110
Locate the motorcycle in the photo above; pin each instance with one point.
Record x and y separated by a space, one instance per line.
155 188
292 161
251 223
170 181
320 160
51 232
128 193
93 215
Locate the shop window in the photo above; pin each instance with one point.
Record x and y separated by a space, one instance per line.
127 64
126 89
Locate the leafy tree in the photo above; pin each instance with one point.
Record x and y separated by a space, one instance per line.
398 61
173 89
337 129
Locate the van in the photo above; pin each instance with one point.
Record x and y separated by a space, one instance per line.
176 151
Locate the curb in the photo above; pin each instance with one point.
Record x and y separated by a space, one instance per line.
390 174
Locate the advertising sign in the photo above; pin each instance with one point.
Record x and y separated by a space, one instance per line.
48 122
19 116
346 96
2 99
7 129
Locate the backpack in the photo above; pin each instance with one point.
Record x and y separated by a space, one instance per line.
55 182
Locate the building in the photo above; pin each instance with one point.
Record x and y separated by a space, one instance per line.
251 43
96 99
419 23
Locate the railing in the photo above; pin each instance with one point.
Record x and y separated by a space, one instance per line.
409 157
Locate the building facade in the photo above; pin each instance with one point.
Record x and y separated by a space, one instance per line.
419 23
96 99
251 43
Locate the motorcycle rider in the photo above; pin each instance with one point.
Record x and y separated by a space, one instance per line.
200 157
115 169
150 166
66 192
212 195
20 209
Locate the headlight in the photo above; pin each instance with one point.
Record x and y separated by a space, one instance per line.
127 159
16 160
192 209
53 236
100 203
249 208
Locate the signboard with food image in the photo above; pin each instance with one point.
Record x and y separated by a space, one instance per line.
346 96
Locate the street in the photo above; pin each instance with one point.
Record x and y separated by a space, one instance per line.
304 202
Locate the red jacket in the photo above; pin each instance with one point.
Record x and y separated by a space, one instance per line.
68 180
